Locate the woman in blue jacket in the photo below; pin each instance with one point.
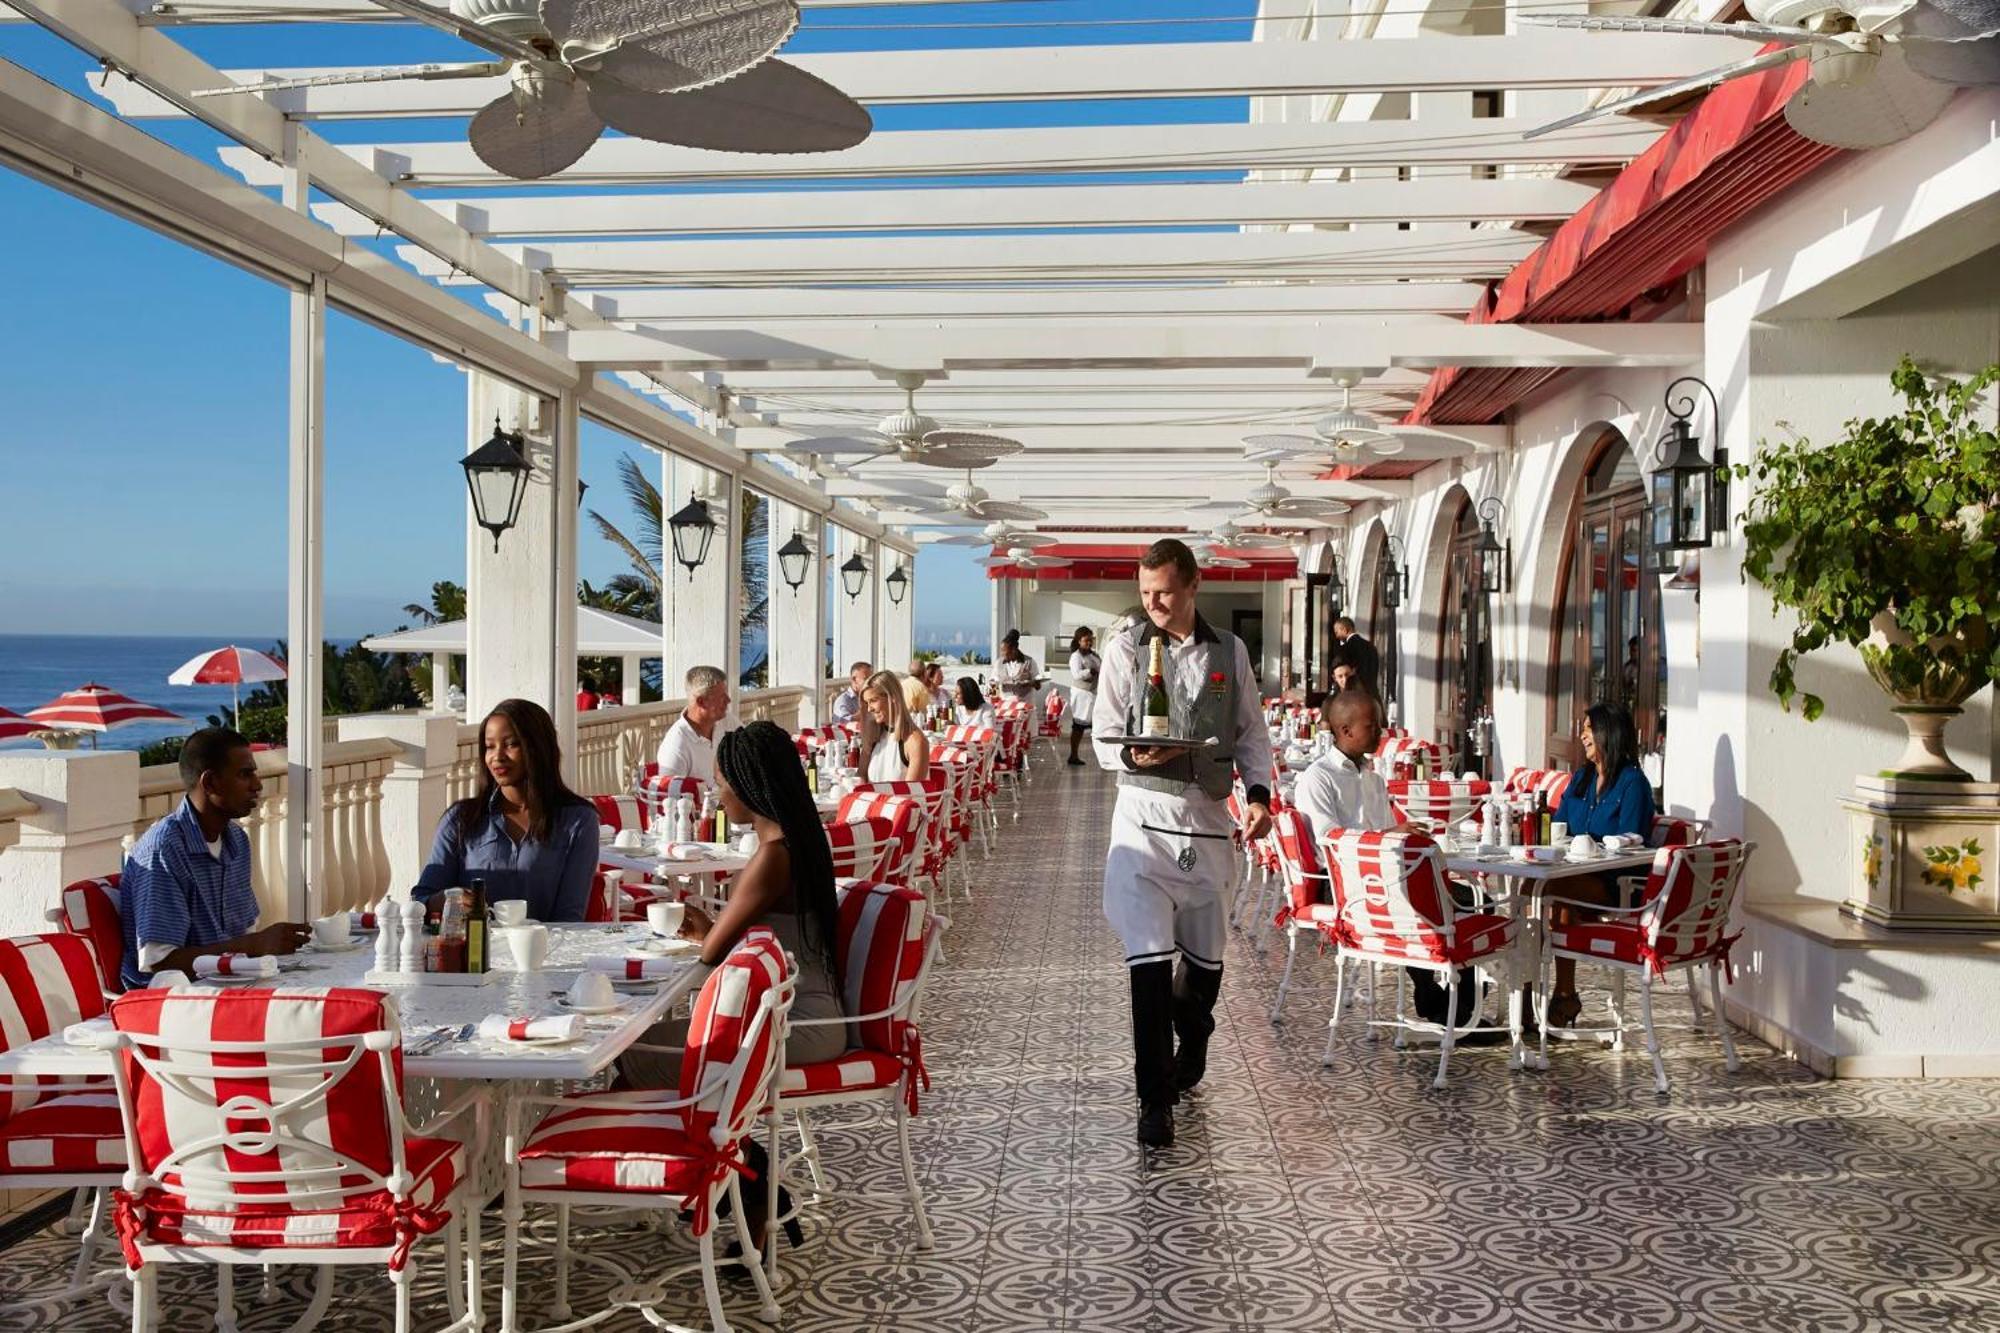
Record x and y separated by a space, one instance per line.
1608 795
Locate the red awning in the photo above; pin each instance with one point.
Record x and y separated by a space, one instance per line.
1120 563
1723 161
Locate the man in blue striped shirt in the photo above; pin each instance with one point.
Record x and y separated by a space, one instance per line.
185 889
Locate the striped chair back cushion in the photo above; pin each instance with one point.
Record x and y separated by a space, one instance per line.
661 788
970 734
1689 893
1406 747
861 846
47 982
90 908
812 738
310 1120
618 813
935 792
961 765
906 824
724 1020
1390 889
1551 782
1673 831
1305 878
1052 713
1446 800
879 946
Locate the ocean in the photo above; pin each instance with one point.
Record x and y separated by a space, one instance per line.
35 668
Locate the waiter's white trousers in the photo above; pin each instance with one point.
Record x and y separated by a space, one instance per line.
1157 901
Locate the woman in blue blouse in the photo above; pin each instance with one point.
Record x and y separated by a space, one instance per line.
1608 796
526 833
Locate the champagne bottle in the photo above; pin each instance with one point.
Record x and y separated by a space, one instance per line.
1159 718
475 928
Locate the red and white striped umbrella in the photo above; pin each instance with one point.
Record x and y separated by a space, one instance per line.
96 707
230 666
13 726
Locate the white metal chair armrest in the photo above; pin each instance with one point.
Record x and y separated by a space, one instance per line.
468 1100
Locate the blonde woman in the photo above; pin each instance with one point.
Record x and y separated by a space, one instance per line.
893 748
916 691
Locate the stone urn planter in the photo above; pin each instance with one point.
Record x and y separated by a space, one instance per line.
1930 682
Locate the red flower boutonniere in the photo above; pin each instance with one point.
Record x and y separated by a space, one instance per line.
1218 682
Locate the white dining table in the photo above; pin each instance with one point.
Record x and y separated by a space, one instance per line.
424 1010
716 859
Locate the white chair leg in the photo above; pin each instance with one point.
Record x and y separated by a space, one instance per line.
1333 1020
510 1253
225 1298
1617 1042
454 1295
401 1280
559 1309
1285 980
86 1248
1652 1037
809 1149
717 1319
924 1238
1450 1035
142 1297
1694 1001
753 1257
475 1304
1729 1060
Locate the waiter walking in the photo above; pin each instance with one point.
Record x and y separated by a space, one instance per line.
1171 863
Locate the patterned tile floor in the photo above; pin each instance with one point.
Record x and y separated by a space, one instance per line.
1351 1198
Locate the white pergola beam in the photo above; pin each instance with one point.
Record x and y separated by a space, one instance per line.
1540 58
780 306
1418 343
1384 144
1468 253
1319 203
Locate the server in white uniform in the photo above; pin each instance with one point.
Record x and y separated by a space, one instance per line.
1168 874
1015 674
1084 665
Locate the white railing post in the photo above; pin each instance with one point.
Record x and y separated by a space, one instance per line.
84 805
415 789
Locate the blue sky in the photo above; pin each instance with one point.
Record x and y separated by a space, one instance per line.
143 441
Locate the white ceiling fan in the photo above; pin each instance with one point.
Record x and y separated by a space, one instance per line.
697 73
1881 69
1273 501
1024 557
1227 536
999 536
964 498
914 438
1342 436
1207 557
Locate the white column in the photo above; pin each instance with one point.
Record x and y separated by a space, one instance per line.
305 850
440 681
415 791
88 802
628 680
697 622
729 550
563 431
795 614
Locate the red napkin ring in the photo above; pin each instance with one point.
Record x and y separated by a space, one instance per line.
517 1029
225 965
635 969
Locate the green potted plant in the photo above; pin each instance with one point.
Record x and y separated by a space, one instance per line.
1889 539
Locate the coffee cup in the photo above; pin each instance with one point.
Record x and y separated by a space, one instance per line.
1558 833
1583 845
591 990
665 918
1518 851
510 912
628 840
528 946
332 931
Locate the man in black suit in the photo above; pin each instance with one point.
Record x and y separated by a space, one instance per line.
1352 648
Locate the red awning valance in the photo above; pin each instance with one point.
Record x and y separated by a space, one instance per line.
1120 563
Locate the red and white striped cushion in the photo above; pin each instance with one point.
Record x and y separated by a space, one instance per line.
1551 782
621 812
1305 879
860 846
1614 941
850 1071
659 788
906 823
720 1026
1671 832
47 982
73 1133
1390 888
610 1149
90 907
934 791
879 949
1444 800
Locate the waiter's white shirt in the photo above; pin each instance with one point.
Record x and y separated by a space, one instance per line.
1336 793
685 753
1187 674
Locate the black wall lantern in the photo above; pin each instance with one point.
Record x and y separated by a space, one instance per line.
1496 562
1395 574
497 475
794 559
853 575
1336 594
898 583
693 528
1690 495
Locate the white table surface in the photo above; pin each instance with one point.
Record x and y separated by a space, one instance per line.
721 861
424 1009
1465 863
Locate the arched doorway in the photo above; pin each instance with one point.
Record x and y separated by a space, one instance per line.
1377 620
1465 658
1608 643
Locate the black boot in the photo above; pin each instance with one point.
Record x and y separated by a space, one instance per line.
1153 1050
1195 989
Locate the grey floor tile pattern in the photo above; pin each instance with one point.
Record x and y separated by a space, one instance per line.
1352 1198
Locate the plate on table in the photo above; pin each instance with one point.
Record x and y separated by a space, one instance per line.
637 985
539 1041
228 981
564 1002
660 945
316 947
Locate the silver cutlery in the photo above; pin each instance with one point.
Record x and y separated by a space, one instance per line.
427 1043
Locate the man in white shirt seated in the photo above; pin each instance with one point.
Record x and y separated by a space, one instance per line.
847 704
1340 790
688 748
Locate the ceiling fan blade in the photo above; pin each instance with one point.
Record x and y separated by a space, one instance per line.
441 18
483 69
1756 32
771 108
1296 507
1953 44
1384 446
1232 506
1253 541
1044 562
538 138
1223 562
1691 84
913 504
1881 107
971 439
997 561
1007 511
960 459
838 444
1288 443
666 46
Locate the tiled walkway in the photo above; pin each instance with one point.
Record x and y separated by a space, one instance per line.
1353 1198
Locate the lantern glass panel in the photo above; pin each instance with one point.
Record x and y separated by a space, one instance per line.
1691 504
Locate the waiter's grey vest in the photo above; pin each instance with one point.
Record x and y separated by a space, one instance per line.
1211 713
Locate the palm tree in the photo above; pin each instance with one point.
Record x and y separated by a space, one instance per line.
646 549
447 603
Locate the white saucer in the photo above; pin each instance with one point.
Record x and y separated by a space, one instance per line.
563 1001
348 947
539 1041
228 981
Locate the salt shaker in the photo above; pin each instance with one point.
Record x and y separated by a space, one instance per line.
388 934
413 937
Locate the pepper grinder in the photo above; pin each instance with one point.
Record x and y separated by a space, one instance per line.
413 937
388 934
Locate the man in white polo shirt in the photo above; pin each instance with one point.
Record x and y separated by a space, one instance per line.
688 748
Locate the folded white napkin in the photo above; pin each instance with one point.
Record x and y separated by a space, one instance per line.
508 1027
76 1033
361 919
632 968
688 851
234 965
